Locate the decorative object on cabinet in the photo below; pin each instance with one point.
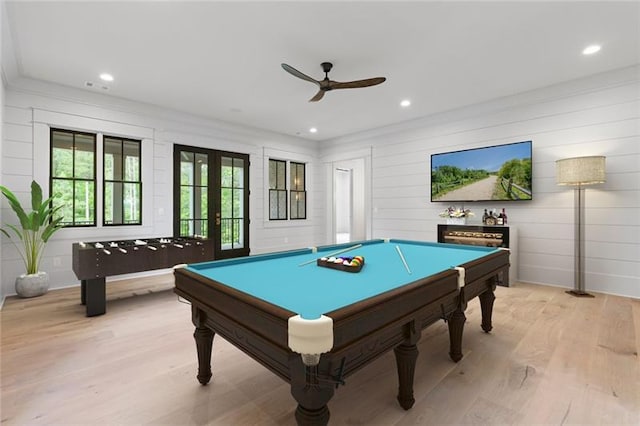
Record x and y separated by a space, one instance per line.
578 172
456 216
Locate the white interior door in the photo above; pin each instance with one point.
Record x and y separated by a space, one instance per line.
349 221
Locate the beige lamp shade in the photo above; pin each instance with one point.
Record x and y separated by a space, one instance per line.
580 170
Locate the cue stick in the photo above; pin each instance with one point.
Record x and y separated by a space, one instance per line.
333 254
403 259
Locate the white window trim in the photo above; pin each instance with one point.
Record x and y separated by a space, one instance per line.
44 120
288 157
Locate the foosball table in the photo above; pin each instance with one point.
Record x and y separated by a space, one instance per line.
94 261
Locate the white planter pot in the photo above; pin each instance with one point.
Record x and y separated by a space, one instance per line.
32 285
456 221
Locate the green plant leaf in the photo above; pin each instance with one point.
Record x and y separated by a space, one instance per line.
34 221
15 205
51 228
17 231
36 195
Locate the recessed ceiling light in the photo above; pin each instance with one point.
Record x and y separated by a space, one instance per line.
106 77
590 50
405 103
313 130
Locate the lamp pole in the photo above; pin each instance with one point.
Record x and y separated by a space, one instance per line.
578 261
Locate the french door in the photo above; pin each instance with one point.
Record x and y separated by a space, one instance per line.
211 198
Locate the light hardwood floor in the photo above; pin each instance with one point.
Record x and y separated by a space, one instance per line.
550 359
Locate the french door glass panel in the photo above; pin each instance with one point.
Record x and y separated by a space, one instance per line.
232 211
194 205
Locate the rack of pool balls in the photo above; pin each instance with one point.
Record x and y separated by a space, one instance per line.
347 264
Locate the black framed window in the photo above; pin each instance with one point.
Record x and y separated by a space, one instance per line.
298 208
122 193
277 190
73 176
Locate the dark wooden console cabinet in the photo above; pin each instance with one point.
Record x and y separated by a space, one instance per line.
481 235
93 262
474 235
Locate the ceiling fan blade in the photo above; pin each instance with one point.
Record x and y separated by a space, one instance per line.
358 83
318 96
291 70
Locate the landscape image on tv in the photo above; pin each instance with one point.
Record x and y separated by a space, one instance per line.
500 172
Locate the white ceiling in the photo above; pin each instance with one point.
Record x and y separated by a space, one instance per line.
222 59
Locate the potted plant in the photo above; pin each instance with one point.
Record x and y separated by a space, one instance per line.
35 229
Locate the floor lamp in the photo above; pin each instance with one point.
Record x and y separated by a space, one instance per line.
578 172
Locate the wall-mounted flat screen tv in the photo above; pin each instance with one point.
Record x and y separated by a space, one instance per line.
492 173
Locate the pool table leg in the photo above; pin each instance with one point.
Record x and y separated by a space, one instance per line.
204 343
311 393
406 356
486 305
456 327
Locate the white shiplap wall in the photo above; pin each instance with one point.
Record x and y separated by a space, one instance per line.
2 88
29 104
599 115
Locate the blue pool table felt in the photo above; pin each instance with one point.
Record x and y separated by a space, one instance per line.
312 290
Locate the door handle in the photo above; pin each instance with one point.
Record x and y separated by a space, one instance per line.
218 219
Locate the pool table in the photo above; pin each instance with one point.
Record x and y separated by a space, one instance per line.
314 326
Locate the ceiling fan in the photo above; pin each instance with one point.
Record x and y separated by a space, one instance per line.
326 84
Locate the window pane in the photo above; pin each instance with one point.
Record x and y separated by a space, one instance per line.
237 203
131 150
131 203
272 174
186 228
298 205
113 197
204 203
108 166
301 183
227 172
273 204
282 204
112 159
293 179
199 202
202 171
62 140
186 202
62 155
63 190
84 202
108 202
238 233
85 156
238 173
225 202
186 168
282 175
293 212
